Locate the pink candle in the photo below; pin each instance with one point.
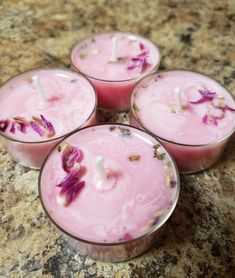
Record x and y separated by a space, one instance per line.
114 63
39 107
192 115
108 185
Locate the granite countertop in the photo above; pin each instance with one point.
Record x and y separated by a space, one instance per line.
195 35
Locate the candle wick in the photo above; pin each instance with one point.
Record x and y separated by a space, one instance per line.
102 175
114 49
38 86
178 99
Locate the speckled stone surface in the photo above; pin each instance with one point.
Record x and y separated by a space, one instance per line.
195 35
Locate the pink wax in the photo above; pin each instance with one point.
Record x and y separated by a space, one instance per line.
70 104
142 189
114 80
197 134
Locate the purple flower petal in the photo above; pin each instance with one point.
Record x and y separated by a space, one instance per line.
70 157
70 187
205 119
206 95
13 129
3 125
141 45
140 61
229 108
37 128
48 126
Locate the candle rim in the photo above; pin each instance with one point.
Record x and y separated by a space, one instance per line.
154 69
133 114
67 133
150 231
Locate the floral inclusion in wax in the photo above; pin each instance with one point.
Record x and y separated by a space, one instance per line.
69 101
142 194
207 113
134 56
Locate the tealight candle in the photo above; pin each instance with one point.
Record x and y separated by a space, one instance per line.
110 188
190 113
39 107
114 63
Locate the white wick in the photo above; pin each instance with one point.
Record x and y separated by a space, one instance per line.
101 172
38 86
114 49
178 100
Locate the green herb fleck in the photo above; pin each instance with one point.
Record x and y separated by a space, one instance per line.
112 128
125 131
134 157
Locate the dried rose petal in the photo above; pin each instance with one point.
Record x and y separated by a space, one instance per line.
70 157
206 95
70 186
20 120
141 45
37 128
22 123
140 61
37 120
228 108
127 236
48 126
13 129
3 125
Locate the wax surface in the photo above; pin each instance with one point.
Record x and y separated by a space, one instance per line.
70 101
140 188
154 98
92 56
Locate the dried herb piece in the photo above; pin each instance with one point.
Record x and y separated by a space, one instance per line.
134 157
155 149
82 56
125 131
73 80
112 128
135 107
161 156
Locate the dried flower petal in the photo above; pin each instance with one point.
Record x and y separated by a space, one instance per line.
141 45
12 129
127 236
206 95
3 125
48 126
140 61
70 187
70 157
37 128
